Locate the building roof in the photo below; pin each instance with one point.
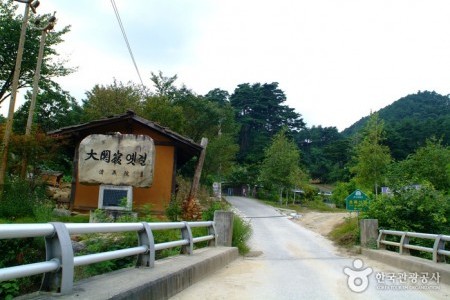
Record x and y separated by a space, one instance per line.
186 148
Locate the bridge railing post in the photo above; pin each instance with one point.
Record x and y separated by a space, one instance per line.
439 244
404 240
223 221
145 238
381 238
58 246
186 234
212 231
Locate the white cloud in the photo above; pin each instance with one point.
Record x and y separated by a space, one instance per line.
335 60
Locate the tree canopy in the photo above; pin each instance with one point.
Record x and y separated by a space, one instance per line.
116 98
280 167
10 27
261 113
55 108
371 156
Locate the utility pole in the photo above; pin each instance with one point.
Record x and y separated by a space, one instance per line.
37 73
37 76
15 84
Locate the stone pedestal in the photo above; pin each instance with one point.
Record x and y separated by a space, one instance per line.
224 227
369 233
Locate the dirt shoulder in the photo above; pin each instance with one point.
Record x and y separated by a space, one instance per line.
321 222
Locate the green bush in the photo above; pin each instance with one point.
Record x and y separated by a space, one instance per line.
341 191
96 243
24 198
423 210
173 211
242 232
318 204
346 234
16 252
208 214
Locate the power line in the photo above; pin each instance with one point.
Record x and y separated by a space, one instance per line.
116 11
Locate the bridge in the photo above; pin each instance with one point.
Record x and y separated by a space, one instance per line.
287 262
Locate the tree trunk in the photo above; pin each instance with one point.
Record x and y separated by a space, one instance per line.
191 207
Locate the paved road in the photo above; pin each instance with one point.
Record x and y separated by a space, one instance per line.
295 263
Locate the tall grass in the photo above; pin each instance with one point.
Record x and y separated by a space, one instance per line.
242 231
346 234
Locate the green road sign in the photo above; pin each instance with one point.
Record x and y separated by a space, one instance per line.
357 201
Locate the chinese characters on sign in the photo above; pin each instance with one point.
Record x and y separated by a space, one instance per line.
116 159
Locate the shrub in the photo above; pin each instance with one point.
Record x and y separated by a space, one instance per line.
318 204
25 198
347 233
341 191
408 209
173 210
19 252
95 243
208 214
242 232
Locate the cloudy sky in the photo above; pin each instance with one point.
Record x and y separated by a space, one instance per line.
336 60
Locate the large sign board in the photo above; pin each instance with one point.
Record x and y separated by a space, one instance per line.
120 159
357 201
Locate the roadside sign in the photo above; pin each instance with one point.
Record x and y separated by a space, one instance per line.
357 201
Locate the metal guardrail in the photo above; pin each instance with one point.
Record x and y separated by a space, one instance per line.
404 246
58 269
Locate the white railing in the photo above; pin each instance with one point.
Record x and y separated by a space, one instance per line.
58 269
404 245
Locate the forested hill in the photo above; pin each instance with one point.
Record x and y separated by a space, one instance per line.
410 120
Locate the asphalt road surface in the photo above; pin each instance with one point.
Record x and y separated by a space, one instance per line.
296 263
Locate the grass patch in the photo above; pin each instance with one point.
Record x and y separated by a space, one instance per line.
242 231
305 206
346 234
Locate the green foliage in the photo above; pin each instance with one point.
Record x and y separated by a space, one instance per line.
429 163
173 211
55 108
161 109
165 86
325 152
280 167
243 174
409 209
10 24
242 231
346 234
261 114
371 156
317 204
9 289
95 243
341 191
23 198
218 96
410 121
18 252
41 151
43 211
113 99
208 214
